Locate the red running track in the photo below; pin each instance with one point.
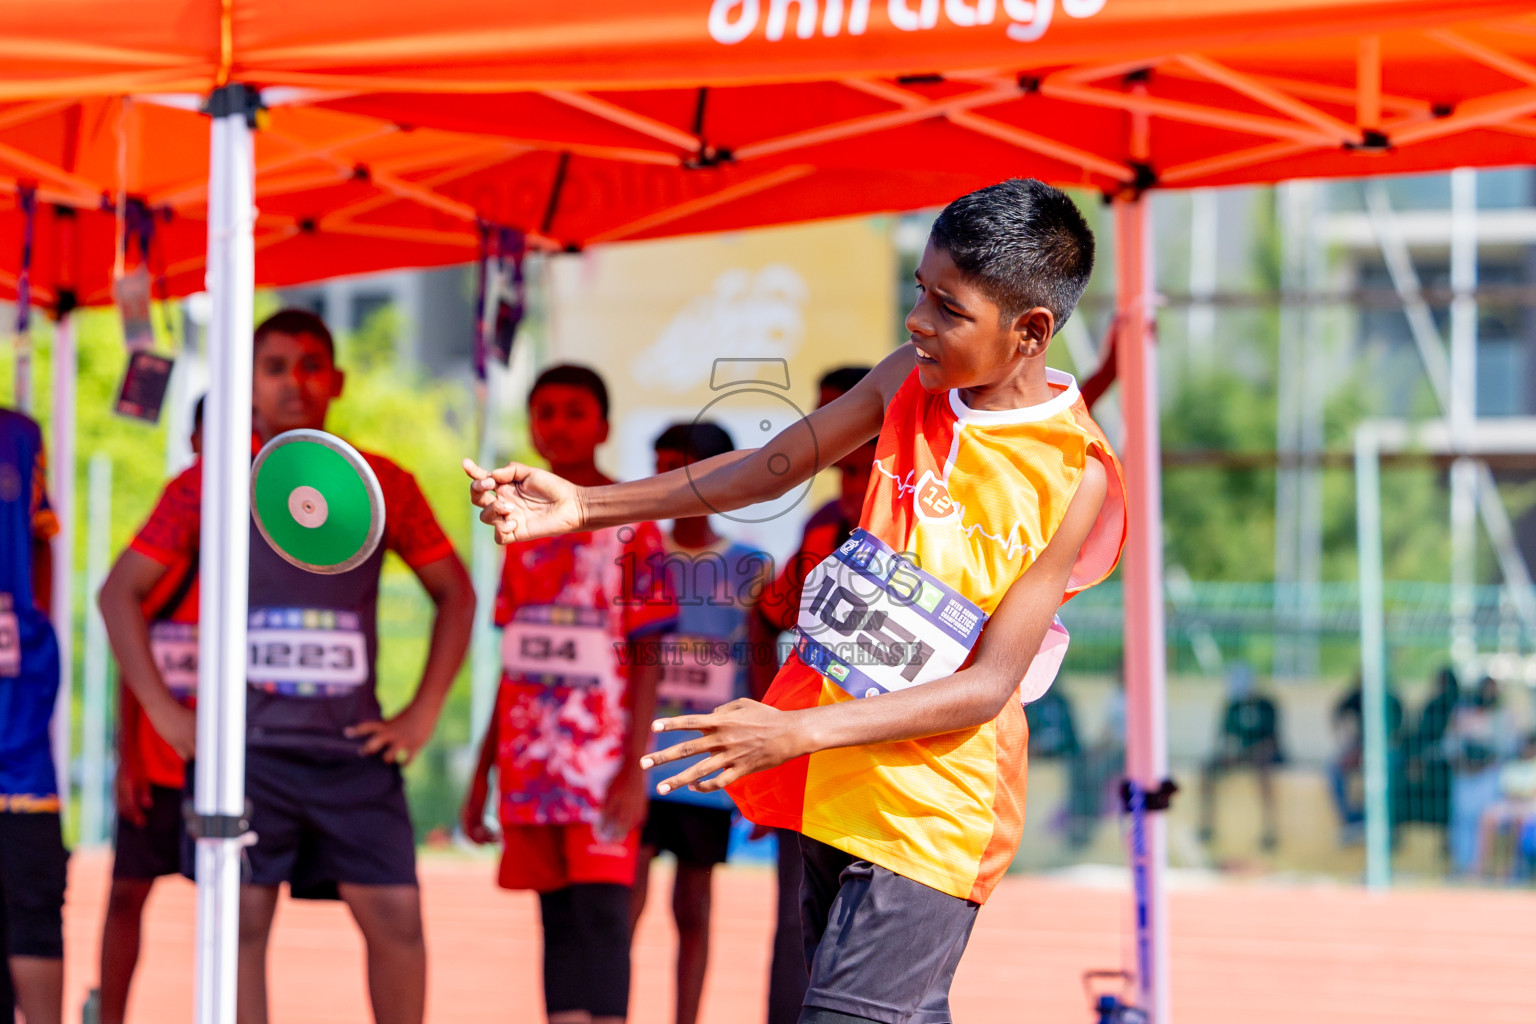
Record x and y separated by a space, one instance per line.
1259 954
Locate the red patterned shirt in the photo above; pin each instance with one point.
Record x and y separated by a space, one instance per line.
568 607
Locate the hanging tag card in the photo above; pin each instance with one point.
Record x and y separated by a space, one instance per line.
144 386
131 292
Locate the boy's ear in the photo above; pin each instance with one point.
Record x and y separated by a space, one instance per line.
1035 327
602 435
338 382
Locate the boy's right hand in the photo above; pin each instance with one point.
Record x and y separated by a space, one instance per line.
177 725
472 817
524 503
133 796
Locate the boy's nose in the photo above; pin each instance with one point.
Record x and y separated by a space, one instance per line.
916 324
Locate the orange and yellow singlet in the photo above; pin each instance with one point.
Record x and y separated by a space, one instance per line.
970 497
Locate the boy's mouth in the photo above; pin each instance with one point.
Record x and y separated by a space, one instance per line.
924 357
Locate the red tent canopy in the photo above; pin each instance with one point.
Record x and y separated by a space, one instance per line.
606 123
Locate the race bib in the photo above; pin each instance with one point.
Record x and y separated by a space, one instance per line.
697 673
174 645
873 622
10 639
306 652
557 645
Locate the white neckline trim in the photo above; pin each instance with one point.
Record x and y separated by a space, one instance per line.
1027 414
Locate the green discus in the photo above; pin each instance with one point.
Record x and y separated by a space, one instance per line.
316 501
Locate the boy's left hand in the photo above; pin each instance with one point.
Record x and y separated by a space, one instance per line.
741 737
397 739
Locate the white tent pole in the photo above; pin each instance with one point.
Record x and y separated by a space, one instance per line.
485 667
1145 663
93 699
219 798
62 493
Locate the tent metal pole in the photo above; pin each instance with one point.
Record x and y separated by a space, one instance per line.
1373 656
219 797
62 487
1462 415
94 743
1145 660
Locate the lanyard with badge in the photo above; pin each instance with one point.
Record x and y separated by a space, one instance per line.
558 646
874 622
10 639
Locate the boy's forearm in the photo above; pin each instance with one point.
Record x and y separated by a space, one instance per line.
678 494
452 629
965 700
642 706
487 752
128 636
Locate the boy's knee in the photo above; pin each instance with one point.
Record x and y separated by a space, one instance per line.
690 907
127 897
388 914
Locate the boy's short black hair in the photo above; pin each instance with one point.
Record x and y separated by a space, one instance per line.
701 440
1024 243
197 413
295 322
574 376
843 378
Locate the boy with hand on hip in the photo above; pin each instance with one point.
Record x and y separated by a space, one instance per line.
150 776
580 615
323 764
894 739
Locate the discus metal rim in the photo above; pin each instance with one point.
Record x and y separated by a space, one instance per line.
364 471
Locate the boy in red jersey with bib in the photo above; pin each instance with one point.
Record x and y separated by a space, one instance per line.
894 739
323 764
581 618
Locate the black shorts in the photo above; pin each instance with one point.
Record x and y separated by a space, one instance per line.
878 944
145 852
320 822
697 836
33 869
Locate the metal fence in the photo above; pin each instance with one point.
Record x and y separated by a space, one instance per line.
1268 766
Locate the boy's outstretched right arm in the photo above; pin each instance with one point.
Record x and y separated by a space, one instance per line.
524 503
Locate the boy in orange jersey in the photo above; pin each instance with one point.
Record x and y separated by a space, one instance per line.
894 739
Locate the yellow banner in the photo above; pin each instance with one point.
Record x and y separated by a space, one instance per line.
734 328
